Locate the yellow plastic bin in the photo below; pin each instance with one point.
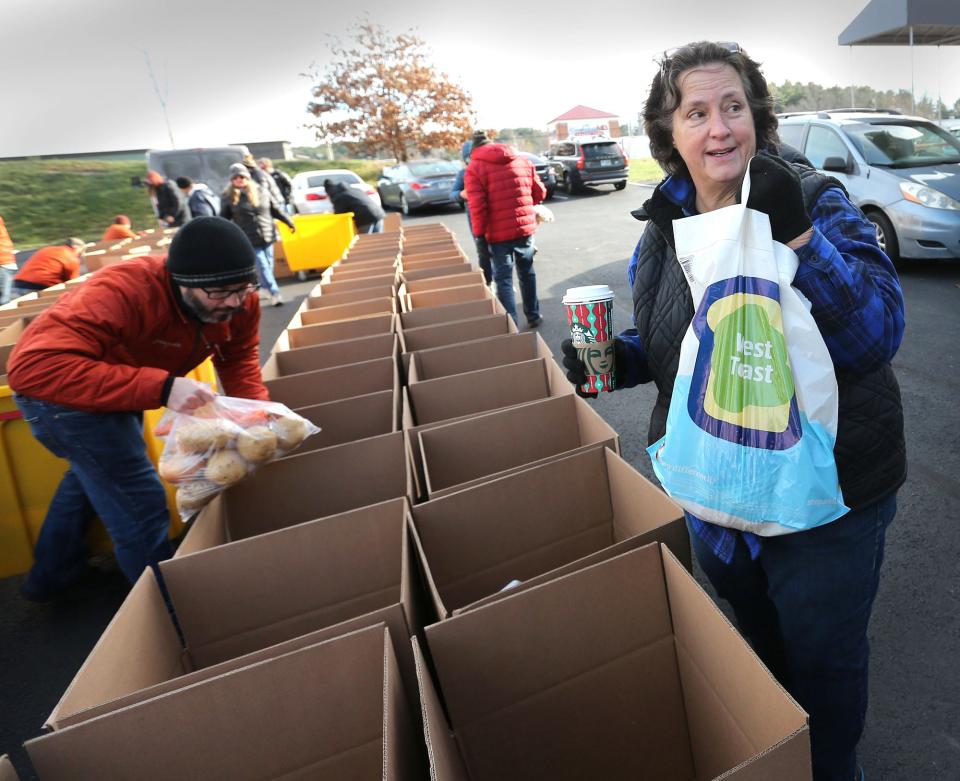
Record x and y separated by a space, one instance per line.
319 242
30 474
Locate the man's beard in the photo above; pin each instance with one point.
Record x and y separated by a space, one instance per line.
205 315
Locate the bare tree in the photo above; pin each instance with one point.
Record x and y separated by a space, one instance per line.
382 92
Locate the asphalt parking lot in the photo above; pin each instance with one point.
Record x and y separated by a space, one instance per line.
913 727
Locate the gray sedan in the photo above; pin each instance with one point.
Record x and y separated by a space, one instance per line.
417 183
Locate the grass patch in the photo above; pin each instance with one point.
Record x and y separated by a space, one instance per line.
645 169
45 201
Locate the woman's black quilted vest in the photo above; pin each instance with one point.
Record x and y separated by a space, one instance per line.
870 449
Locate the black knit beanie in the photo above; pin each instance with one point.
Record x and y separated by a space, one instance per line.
210 252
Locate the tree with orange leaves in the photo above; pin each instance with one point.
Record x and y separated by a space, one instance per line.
382 92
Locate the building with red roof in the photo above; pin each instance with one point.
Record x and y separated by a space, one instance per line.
584 121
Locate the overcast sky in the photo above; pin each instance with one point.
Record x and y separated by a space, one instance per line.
74 78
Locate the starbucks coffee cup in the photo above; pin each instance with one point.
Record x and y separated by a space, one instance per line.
590 317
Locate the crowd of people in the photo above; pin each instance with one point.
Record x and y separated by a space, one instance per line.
802 600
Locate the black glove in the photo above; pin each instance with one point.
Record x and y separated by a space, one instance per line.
775 189
577 369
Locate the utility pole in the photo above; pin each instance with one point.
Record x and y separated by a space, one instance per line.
161 96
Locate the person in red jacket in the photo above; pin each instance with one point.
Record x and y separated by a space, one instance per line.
87 367
119 229
502 189
49 266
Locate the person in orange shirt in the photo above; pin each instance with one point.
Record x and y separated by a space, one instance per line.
49 266
120 229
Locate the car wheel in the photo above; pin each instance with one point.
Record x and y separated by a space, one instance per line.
886 236
620 185
569 186
549 195
404 206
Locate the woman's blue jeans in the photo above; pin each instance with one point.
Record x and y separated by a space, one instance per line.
110 477
804 604
265 269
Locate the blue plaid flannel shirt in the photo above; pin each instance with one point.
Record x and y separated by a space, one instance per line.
856 302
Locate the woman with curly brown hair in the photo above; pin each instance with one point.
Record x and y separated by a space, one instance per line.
250 206
803 599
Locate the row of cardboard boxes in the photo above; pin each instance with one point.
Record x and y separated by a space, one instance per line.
485 590
29 474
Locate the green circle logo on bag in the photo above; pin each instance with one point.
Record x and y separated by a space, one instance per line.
742 385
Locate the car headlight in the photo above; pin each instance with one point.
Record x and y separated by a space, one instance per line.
927 196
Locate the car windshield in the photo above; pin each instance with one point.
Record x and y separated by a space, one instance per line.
609 149
317 181
432 168
903 144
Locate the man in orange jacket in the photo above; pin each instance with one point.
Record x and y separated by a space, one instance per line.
49 266
119 229
119 344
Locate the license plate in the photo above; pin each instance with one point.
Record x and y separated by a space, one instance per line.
606 162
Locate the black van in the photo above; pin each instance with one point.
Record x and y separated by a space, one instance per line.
210 165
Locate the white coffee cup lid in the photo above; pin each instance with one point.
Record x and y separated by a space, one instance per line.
581 295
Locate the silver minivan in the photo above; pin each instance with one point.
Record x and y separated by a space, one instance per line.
902 171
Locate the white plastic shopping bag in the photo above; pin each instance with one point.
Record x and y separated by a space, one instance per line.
753 417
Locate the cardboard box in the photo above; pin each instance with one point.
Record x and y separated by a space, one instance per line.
447 313
303 487
332 710
325 333
347 273
357 281
338 382
486 389
424 337
435 271
7 772
342 572
477 354
449 280
448 295
463 453
318 299
351 311
324 356
622 670
538 524
432 260
347 420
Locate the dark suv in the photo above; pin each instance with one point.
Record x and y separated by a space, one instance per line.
587 162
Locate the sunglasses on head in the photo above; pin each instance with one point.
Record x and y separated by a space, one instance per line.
731 46
221 294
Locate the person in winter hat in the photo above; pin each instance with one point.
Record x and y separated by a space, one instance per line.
502 189
253 209
119 229
367 213
120 343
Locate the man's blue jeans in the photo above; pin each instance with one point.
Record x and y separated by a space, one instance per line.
110 476
265 269
504 255
804 604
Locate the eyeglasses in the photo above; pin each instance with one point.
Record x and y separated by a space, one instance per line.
731 46
221 294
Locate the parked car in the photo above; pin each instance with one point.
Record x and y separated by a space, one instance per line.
545 171
903 172
309 197
588 162
417 183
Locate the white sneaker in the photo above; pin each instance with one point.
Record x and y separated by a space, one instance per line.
277 300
